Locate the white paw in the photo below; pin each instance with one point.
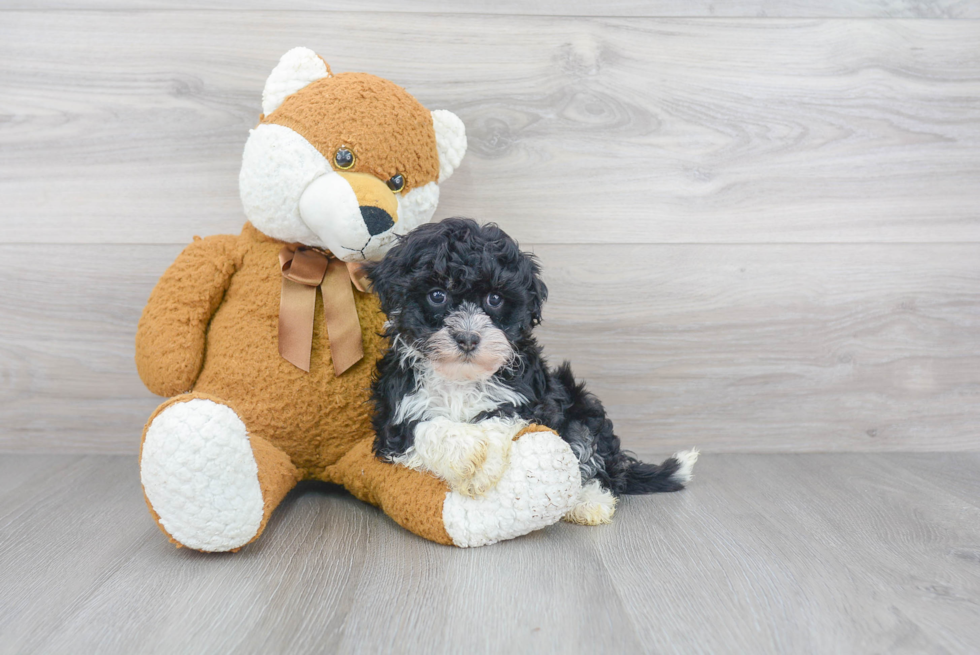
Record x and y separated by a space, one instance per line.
537 489
470 457
200 476
593 505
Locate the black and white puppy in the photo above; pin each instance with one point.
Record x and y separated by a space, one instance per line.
462 301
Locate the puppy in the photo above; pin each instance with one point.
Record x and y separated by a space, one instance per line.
464 373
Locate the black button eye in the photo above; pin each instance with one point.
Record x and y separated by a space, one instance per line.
396 183
438 297
494 300
344 158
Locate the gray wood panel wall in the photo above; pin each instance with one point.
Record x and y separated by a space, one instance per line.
760 221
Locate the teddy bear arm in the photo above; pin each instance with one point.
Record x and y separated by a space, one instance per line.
171 333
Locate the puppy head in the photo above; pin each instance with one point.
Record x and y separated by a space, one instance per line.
345 162
461 295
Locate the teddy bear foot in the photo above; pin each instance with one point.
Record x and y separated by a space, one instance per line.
540 486
201 475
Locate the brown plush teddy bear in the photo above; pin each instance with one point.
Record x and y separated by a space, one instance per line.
267 341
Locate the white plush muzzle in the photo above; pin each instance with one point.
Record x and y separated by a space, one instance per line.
290 192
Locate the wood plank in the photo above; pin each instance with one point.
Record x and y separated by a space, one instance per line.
635 8
730 348
761 554
127 126
16 471
766 348
804 545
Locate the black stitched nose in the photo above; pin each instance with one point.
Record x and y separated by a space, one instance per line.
376 219
467 341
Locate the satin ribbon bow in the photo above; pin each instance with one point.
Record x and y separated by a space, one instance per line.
303 270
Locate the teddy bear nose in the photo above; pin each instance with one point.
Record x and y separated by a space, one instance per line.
376 219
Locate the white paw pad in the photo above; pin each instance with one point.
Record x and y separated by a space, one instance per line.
200 476
537 489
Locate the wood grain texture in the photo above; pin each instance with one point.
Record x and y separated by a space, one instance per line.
730 348
761 554
636 8
128 126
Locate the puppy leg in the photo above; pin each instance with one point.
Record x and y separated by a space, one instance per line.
470 457
594 505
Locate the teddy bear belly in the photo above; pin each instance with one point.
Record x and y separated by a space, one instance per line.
314 417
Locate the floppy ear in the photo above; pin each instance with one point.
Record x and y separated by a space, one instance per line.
295 69
383 275
450 141
538 291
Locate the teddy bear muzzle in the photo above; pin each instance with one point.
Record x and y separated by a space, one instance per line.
378 205
348 211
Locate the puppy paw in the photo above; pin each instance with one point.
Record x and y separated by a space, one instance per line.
470 457
593 505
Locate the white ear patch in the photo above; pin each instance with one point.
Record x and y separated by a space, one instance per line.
450 141
295 69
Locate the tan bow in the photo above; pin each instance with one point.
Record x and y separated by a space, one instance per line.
303 270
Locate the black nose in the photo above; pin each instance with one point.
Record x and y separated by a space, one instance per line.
467 341
376 219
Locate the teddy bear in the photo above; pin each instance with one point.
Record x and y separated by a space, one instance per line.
266 342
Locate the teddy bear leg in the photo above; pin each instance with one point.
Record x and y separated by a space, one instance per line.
539 486
210 485
413 499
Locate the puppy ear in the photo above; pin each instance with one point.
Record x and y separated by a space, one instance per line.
383 275
538 292
450 141
295 69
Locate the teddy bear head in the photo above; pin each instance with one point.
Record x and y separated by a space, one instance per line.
344 162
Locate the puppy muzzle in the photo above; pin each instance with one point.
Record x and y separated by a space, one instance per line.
469 346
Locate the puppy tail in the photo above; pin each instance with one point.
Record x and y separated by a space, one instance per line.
672 475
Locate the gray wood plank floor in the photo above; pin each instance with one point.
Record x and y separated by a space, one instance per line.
762 554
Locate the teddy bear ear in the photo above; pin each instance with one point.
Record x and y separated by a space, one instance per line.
295 69
450 141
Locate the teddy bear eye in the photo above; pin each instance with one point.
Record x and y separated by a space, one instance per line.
344 158
396 183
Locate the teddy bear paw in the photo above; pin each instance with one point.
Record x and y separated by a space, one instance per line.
540 485
200 476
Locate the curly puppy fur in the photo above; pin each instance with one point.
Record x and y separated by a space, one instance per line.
462 301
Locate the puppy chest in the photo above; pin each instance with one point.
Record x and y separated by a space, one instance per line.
438 397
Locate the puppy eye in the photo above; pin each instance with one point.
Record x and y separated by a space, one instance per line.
344 158
495 300
437 297
396 183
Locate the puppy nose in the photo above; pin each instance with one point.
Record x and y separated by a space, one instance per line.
376 219
467 341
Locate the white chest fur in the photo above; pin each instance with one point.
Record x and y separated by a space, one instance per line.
461 401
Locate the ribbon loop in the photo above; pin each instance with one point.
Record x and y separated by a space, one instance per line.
303 266
303 270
